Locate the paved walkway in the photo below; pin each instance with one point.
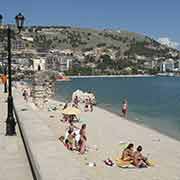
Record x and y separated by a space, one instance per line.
14 163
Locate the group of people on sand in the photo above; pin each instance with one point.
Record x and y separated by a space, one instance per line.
75 138
88 105
136 157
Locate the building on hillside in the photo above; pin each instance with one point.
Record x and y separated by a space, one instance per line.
18 44
167 65
30 39
150 64
177 65
59 62
38 64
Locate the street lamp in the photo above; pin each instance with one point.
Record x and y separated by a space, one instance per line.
1 18
10 122
19 21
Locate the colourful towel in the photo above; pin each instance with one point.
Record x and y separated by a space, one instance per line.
122 164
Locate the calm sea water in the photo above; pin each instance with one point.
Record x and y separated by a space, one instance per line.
153 101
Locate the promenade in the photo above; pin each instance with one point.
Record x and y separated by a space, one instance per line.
14 163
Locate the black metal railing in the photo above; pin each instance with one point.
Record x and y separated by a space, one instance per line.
30 161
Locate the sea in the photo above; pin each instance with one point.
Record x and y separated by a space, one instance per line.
152 101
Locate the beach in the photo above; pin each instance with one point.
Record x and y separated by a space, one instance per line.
106 133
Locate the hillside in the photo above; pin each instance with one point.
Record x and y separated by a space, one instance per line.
127 43
104 51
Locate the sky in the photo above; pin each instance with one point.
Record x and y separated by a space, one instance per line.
155 18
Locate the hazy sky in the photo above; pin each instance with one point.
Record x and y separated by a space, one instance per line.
157 18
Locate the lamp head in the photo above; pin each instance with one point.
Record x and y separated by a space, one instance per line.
1 18
19 21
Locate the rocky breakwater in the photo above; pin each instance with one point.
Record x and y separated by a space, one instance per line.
43 87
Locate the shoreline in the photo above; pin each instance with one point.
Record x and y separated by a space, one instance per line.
110 76
129 120
138 123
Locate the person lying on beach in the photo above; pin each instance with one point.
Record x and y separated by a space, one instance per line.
139 160
127 154
83 139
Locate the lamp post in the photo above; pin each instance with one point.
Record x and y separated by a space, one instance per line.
10 122
1 17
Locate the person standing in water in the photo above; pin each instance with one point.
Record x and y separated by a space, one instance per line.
125 108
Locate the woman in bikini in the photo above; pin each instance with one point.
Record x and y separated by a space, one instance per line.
127 154
83 139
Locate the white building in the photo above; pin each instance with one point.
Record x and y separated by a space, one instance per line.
177 65
38 63
59 62
167 65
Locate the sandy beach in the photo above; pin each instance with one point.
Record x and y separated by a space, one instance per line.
106 133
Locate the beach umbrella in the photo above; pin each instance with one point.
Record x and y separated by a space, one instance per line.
71 111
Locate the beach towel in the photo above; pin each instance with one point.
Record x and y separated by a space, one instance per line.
123 145
123 164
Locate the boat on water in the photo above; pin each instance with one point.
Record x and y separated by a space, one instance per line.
62 77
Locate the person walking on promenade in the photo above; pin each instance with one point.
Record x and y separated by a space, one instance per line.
25 95
125 108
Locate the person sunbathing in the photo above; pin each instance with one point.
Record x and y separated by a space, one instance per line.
127 154
139 160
